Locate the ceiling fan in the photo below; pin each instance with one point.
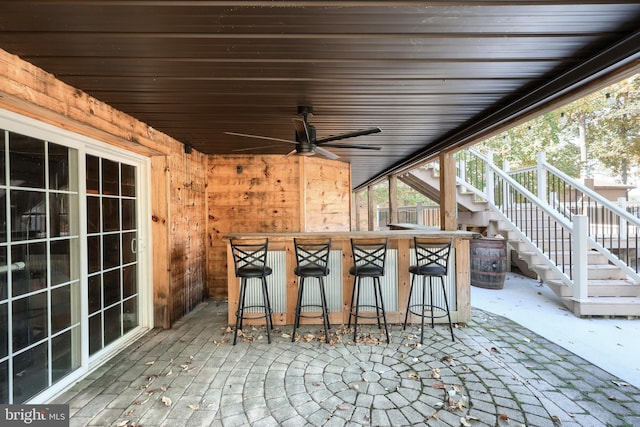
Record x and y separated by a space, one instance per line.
306 142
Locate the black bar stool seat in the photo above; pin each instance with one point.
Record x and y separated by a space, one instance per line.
368 263
250 262
432 261
312 259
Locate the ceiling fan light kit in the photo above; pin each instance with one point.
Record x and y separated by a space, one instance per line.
306 142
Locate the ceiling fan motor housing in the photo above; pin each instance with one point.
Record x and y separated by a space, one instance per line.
305 109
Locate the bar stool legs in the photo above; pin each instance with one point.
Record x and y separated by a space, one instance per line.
424 307
323 306
354 311
240 313
368 262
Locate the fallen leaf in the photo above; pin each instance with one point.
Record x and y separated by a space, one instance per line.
122 423
464 422
169 373
150 363
439 386
621 383
166 400
194 406
503 417
344 406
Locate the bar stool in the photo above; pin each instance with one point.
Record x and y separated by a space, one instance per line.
368 262
312 257
250 262
432 260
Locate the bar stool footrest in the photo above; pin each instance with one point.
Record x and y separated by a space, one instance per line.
433 308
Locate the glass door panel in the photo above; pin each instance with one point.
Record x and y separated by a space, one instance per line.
39 268
112 251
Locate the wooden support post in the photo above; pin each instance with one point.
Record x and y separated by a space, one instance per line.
347 279
371 208
463 280
160 223
292 282
448 200
393 199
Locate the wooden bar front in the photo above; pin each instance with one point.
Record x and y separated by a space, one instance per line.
402 240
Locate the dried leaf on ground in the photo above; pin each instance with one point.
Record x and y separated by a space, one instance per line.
503 417
166 400
621 383
194 406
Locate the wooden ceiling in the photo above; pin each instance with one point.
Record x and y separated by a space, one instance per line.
430 74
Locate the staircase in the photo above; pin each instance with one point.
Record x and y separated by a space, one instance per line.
593 268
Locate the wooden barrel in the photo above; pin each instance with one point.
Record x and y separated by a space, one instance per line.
488 262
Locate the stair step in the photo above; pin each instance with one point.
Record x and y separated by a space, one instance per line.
594 272
605 306
593 258
599 288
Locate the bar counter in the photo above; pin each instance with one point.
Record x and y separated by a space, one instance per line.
283 285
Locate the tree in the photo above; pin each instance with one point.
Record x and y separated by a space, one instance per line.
601 130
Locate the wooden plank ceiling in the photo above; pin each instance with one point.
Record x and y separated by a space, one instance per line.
431 75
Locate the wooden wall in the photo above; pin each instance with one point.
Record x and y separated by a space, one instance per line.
179 223
178 179
253 193
327 191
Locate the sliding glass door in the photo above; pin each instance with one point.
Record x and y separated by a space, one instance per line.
70 256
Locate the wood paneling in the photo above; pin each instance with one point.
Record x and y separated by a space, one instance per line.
327 191
178 212
248 193
187 203
271 194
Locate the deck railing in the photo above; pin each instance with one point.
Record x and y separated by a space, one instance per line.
546 206
558 216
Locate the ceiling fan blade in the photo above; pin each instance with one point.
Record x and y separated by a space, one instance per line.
257 148
348 135
326 153
302 131
291 153
360 147
268 138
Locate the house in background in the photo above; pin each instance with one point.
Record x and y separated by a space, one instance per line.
111 226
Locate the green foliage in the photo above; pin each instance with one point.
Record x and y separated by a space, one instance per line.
598 132
406 195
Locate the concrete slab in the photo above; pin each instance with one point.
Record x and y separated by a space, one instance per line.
611 344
